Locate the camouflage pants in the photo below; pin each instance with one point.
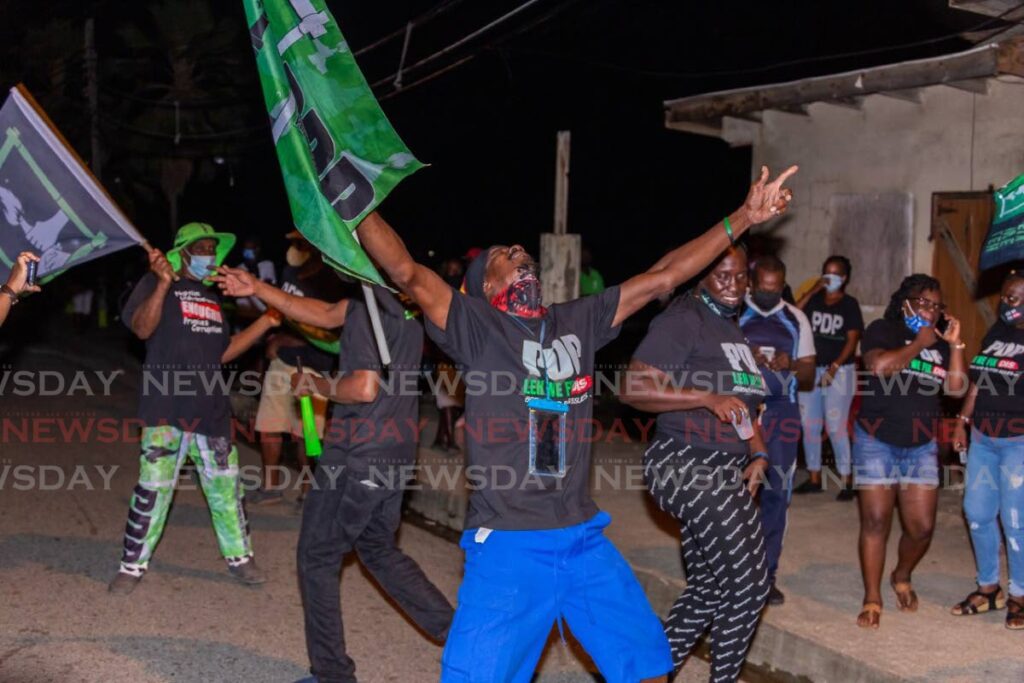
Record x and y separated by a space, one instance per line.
216 461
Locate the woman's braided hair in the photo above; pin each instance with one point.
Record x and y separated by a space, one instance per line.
911 287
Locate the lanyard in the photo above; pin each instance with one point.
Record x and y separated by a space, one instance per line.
544 364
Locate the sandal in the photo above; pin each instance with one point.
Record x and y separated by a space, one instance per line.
994 600
1015 613
870 615
906 598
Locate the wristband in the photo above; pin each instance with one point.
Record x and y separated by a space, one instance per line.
960 347
759 454
728 230
963 418
6 289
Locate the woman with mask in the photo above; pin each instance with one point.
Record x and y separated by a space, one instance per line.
695 369
837 324
913 354
994 411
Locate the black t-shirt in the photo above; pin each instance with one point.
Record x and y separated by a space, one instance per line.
380 434
903 409
505 361
700 349
830 325
183 385
323 285
997 372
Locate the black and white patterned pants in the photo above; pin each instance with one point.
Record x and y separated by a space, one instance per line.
723 549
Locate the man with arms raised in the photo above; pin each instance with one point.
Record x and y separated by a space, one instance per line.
535 550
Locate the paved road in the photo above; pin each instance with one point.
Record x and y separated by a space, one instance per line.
188 621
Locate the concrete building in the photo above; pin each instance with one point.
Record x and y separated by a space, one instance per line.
896 164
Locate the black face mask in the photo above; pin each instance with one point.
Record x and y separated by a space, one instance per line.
1011 315
719 308
766 301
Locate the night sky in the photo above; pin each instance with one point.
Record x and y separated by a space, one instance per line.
600 68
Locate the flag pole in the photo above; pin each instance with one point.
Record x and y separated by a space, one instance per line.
378 328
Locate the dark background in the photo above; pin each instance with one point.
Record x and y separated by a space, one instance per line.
182 122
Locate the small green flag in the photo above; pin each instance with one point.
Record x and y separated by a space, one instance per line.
339 155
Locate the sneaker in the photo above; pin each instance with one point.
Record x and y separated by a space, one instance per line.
124 583
775 596
264 497
847 494
808 487
248 573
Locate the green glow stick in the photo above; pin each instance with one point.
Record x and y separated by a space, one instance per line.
309 435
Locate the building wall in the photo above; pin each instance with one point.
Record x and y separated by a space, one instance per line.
952 141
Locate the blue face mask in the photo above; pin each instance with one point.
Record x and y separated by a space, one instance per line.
832 282
915 322
199 267
249 254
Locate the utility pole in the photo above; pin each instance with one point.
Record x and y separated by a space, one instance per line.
559 250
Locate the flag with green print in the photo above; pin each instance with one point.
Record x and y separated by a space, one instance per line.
339 155
50 204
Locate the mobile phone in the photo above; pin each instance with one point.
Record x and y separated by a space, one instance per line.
30 279
942 325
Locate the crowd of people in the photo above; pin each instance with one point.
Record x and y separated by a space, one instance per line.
722 462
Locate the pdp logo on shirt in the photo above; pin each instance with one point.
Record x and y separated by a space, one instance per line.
555 370
826 323
746 378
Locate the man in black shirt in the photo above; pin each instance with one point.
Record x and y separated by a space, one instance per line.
534 543
185 410
305 343
356 500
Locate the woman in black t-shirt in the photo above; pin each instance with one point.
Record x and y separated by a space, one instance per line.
837 323
895 456
695 369
994 409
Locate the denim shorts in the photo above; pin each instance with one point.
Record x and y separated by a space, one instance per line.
877 463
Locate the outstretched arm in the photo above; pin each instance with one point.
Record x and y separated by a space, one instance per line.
239 282
421 284
765 200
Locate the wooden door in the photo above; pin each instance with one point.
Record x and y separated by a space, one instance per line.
960 221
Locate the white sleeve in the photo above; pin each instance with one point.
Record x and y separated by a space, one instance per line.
805 345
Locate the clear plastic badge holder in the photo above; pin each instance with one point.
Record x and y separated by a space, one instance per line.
547 437
547 430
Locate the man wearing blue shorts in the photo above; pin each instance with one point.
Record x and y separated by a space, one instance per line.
535 548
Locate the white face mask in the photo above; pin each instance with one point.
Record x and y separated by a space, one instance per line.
295 257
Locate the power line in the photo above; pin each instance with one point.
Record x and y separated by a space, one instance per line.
459 43
526 27
654 73
416 21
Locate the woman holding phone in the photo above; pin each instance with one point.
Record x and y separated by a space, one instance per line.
696 371
994 412
913 354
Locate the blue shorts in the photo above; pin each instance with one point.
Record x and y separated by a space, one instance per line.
517 584
877 463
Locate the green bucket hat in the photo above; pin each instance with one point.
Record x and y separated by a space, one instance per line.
193 232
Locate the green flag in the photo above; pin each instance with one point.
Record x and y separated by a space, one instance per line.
339 154
1005 240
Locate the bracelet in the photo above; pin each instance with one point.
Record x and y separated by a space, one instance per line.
728 230
961 346
963 418
9 292
759 454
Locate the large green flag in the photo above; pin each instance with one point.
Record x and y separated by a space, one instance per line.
339 154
